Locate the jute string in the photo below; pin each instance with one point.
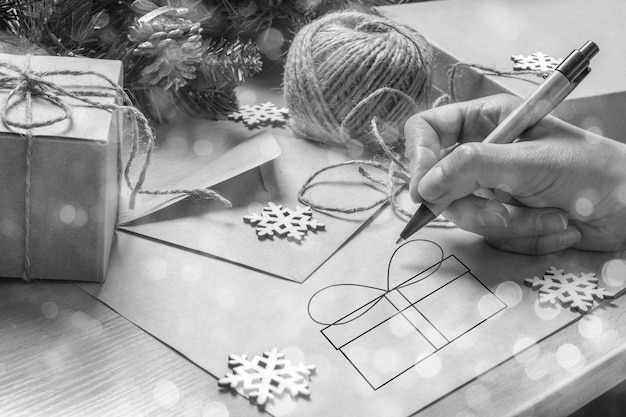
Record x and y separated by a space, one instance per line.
27 85
397 180
346 68
394 164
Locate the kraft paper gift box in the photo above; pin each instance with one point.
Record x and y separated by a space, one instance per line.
489 32
73 190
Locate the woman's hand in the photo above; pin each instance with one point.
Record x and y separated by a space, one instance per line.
568 184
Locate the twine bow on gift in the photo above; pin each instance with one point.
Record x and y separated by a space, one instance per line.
27 85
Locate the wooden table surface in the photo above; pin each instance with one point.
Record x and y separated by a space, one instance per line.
64 353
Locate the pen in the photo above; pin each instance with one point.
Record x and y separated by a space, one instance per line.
550 93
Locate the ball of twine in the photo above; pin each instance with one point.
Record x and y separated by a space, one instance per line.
347 68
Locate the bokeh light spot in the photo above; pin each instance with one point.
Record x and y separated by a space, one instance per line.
215 409
294 354
400 328
547 311
614 272
166 394
225 298
85 323
385 360
270 42
620 193
8 228
468 340
284 405
538 368
594 134
590 326
203 147
584 207
568 355
191 273
478 397
323 367
510 292
429 367
246 97
525 350
67 214
355 148
219 335
50 309
155 267
488 305
255 207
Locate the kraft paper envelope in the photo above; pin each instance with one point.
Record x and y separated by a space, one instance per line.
211 229
473 295
194 154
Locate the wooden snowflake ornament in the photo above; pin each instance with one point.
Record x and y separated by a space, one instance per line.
275 219
265 377
260 115
578 292
538 61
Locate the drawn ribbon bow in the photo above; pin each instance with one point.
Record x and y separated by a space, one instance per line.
351 295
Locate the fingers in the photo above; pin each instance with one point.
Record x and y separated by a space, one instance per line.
531 231
477 165
428 132
538 245
492 219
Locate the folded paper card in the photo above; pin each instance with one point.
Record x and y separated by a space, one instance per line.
194 154
490 32
212 229
58 167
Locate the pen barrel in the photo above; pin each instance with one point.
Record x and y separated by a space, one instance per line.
532 110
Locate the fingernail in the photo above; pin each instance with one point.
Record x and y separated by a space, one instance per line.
492 219
413 193
570 237
435 184
551 223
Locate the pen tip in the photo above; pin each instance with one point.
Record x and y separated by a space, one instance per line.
399 240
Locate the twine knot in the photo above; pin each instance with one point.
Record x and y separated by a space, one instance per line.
25 84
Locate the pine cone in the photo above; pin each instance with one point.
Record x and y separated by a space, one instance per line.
175 43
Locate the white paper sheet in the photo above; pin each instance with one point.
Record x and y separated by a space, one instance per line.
207 309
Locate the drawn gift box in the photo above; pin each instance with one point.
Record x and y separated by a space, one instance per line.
58 167
408 322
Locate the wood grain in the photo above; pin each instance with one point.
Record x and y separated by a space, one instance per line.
63 353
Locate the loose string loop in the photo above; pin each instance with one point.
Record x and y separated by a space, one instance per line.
488 71
26 85
397 180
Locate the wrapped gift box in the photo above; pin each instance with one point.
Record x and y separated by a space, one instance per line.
489 32
73 191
